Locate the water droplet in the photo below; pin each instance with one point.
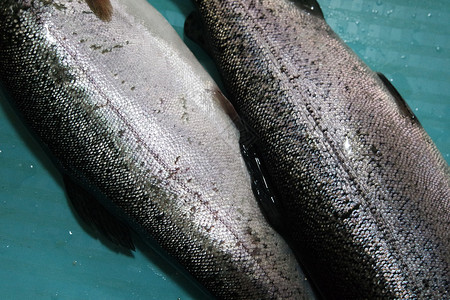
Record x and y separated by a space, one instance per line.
356 22
403 56
413 16
70 232
389 12
438 49
374 11
31 166
416 109
429 15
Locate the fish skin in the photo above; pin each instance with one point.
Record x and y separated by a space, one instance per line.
362 190
127 112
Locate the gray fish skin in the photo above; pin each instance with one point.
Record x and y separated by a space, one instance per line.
363 193
127 112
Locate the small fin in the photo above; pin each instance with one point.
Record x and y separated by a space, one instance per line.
401 103
96 216
228 108
261 186
194 29
311 6
101 8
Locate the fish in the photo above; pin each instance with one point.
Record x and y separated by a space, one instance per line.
354 182
145 141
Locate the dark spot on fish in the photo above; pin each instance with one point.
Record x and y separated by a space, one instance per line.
375 150
248 230
95 47
59 6
256 251
133 88
173 173
159 217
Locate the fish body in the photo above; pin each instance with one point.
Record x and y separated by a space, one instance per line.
144 140
362 193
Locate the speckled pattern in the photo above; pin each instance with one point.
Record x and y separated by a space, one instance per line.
364 193
146 133
46 254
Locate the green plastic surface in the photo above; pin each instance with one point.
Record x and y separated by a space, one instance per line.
46 254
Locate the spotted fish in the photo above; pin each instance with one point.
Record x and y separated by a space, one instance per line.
144 139
358 187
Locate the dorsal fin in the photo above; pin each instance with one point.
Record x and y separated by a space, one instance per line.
311 6
101 8
97 216
401 104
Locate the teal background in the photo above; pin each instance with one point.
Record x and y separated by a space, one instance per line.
46 254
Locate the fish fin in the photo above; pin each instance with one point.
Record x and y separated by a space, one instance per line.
97 216
228 108
261 186
401 103
194 29
101 8
311 6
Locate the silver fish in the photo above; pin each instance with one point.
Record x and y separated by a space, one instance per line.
144 138
360 189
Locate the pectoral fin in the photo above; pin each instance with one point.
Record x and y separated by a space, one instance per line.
101 8
401 104
97 216
310 6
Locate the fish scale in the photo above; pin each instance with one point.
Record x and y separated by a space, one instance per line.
363 192
134 123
